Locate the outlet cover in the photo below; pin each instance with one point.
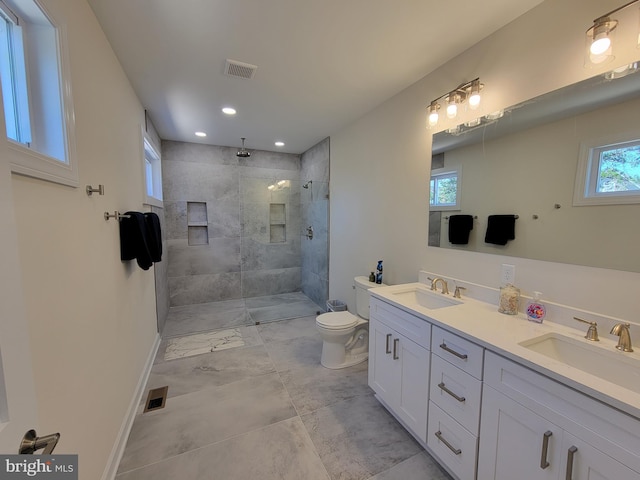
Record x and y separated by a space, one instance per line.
508 274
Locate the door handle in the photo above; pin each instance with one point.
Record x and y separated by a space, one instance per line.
570 453
395 348
388 349
444 388
544 463
31 443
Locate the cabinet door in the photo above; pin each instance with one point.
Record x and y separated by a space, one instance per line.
384 372
582 461
414 384
516 443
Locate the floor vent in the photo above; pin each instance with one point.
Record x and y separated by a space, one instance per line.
156 399
234 68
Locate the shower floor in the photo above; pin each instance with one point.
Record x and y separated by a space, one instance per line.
205 317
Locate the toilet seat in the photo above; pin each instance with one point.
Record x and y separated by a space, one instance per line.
337 320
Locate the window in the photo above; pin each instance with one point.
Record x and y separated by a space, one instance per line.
608 173
36 96
444 189
152 165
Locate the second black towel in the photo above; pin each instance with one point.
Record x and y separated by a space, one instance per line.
500 229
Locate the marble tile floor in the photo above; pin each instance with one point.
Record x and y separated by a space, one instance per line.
265 409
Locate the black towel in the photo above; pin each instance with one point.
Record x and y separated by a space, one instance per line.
133 240
459 228
154 236
500 229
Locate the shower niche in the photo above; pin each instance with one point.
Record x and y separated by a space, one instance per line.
197 223
277 223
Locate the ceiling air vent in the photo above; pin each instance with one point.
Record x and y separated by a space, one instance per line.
234 68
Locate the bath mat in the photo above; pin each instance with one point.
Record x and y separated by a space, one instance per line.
203 343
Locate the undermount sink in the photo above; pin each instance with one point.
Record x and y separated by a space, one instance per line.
425 298
613 366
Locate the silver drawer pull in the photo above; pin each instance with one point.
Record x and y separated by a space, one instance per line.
388 349
453 352
570 453
545 448
395 348
456 451
444 388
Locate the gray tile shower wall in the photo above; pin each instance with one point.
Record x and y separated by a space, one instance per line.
237 254
314 201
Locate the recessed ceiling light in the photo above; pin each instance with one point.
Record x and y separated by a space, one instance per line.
279 144
201 134
229 110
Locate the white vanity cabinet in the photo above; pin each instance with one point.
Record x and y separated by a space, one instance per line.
399 364
455 393
535 428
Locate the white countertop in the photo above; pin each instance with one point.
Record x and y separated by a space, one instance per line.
481 323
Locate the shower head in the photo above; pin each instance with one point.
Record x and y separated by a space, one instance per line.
306 185
243 152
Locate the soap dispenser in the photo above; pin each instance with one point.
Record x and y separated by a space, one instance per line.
536 311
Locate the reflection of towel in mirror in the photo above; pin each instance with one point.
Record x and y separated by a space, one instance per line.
154 236
133 240
500 229
459 228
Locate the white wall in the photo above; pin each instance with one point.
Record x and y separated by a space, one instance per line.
380 166
91 318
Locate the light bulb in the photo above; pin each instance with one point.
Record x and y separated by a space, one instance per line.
474 100
452 110
474 94
433 118
600 44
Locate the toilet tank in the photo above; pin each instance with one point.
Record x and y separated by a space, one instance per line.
363 285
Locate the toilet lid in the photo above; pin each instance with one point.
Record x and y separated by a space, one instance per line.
337 320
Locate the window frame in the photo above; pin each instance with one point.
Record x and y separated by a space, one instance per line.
29 159
446 172
584 193
156 197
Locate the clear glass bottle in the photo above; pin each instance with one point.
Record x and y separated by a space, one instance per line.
509 300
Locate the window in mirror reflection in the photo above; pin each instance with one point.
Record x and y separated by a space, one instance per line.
618 168
612 173
444 189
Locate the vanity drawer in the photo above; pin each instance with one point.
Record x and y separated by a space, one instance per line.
452 444
456 350
456 392
412 327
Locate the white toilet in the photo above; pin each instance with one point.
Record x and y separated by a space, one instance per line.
346 336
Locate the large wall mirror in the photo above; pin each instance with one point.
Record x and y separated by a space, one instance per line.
526 164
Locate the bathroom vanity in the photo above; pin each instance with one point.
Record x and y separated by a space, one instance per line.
493 396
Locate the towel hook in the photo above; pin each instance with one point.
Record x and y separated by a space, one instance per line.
90 190
117 215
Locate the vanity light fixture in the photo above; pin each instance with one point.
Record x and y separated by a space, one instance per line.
466 92
600 37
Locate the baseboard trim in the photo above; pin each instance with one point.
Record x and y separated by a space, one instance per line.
121 441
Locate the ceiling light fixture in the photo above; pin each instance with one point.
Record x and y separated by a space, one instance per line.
466 92
279 144
229 111
243 152
600 38
200 134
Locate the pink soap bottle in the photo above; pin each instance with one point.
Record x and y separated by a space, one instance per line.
536 311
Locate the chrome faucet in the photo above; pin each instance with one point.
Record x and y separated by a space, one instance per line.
434 285
622 330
